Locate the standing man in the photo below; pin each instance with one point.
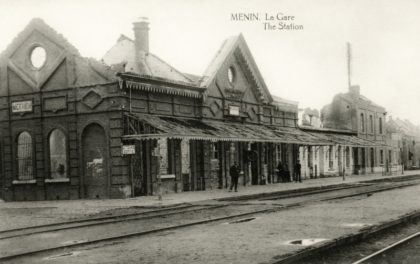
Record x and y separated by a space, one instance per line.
297 172
234 175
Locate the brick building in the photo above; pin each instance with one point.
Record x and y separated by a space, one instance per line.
66 120
357 125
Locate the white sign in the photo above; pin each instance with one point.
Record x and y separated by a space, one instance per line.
233 110
167 176
22 106
128 149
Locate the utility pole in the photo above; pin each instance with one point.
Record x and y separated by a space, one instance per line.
349 63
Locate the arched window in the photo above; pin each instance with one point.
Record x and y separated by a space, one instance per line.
24 156
58 154
362 122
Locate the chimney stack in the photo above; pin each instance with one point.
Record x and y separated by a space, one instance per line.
141 43
141 34
355 90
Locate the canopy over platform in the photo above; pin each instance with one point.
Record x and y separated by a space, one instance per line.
182 128
347 139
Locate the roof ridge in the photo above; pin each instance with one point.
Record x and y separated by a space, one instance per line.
188 78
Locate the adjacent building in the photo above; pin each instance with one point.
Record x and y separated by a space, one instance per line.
408 137
356 125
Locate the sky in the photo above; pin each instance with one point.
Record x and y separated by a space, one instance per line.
307 65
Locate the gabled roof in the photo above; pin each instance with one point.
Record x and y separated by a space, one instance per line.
122 54
361 98
228 47
45 29
88 70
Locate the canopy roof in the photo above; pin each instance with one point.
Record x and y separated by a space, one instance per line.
181 128
346 139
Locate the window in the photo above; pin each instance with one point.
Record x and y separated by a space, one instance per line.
231 74
382 156
390 156
58 154
38 57
362 122
24 156
330 154
371 123
380 125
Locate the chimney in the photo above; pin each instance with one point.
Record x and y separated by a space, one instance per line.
355 90
141 43
141 34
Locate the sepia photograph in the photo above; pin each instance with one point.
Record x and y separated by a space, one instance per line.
212 131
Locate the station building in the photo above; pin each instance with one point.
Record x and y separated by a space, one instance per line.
73 127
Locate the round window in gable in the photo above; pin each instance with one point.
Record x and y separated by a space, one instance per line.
231 74
38 56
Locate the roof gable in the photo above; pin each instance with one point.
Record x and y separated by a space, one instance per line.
16 59
236 46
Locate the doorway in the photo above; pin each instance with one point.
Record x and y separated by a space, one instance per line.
95 162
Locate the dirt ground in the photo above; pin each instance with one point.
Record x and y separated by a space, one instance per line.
261 240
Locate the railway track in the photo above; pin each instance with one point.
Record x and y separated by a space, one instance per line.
385 255
102 220
132 225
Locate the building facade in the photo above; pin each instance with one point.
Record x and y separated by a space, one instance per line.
72 127
357 126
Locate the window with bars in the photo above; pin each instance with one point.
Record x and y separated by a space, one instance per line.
58 154
24 156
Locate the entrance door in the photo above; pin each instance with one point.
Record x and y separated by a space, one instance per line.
95 162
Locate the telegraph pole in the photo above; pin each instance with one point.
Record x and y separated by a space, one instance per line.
348 45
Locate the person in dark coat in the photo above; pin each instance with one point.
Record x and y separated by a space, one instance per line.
297 172
234 175
280 172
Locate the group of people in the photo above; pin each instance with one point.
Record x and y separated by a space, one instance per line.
283 174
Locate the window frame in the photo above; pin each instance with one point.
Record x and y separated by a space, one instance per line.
18 176
66 172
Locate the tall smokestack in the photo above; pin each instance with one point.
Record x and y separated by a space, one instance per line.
141 43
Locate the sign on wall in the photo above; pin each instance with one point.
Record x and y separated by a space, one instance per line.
233 110
128 149
22 106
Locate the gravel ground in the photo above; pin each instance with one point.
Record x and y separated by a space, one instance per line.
22 214
353 252
262 240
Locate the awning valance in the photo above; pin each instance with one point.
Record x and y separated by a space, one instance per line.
182 128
